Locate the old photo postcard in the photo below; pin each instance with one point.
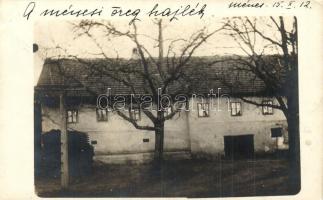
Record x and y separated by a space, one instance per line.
149 99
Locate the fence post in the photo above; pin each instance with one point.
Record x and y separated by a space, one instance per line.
64 143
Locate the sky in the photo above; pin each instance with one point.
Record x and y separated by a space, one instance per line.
49 34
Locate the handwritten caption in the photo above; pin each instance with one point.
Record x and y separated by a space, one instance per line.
174 13
135 14
289 4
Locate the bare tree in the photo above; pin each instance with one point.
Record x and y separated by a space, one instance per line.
278 72
158 75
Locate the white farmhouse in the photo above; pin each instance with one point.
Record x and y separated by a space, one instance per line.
222 125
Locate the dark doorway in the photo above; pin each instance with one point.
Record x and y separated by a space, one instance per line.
238 147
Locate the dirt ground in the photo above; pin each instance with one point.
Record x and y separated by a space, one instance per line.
182 178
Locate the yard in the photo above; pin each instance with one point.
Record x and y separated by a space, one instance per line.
180 178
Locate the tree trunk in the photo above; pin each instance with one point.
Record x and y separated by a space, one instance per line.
294 147
293 127
159 149
159 142
37 134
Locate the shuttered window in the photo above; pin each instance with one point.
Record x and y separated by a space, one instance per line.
72 116
203 110
101 115
266 108
235 109
135 114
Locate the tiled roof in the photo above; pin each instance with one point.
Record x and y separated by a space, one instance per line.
79 78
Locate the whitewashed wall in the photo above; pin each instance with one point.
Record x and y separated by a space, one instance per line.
207 134
185 132
118 136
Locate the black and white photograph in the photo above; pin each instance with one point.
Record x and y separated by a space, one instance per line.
152 108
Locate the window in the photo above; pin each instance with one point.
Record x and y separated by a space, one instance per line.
101 115
181 106
276 132
72 116
135 114
203 109
168 111
267 110
235 109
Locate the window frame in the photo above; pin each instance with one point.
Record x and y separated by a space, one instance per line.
267 107
182 106
205 114
72 110
168 111
280 132
97 115
132 113
236 111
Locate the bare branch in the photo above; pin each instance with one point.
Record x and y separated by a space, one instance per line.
262 35
260 104
134 122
